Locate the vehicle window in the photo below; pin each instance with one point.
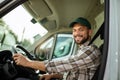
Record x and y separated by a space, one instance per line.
7 38
17 28
45 49
63 45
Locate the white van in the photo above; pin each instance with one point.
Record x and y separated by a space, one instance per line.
48 33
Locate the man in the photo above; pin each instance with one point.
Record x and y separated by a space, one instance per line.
80 66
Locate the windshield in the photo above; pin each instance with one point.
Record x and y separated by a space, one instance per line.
21 30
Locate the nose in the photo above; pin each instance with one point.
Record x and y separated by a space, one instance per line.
77 32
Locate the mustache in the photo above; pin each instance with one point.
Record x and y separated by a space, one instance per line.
78 35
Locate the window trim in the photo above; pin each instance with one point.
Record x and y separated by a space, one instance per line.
106 42
11 4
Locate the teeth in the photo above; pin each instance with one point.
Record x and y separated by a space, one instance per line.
79 36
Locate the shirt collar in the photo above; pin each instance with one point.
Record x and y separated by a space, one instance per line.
83 45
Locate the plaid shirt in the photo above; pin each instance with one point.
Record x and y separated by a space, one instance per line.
80 66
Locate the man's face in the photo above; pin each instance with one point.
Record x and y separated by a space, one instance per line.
81 33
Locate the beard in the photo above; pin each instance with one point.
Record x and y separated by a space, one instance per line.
82 41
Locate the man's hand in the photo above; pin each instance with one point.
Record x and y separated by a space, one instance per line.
21 60
24 61
50 76
46 77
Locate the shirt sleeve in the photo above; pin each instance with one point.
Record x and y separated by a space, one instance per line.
87 57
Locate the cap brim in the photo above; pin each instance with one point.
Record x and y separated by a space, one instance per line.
71 25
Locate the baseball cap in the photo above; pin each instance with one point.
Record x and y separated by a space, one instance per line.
81 21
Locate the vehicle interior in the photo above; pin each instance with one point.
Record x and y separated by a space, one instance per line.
55 16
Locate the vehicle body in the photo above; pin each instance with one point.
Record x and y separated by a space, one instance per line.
56 15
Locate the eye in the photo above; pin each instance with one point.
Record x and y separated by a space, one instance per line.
81 29
74 30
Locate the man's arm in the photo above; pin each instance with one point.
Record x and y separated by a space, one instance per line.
89 57
23 61
86 58
50 76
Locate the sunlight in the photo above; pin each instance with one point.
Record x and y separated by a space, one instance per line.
19 22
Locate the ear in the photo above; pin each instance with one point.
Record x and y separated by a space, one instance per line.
90 32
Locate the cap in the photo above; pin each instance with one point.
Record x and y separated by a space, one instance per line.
81 21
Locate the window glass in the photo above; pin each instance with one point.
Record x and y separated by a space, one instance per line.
7 38
44 50
18 29
63 45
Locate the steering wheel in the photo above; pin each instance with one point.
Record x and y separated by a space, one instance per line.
24 50
11 70
7 66
25 71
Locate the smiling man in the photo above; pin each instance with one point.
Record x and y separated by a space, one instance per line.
80 66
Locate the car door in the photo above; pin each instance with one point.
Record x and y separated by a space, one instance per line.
58 46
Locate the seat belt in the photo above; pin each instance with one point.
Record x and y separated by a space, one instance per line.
99 32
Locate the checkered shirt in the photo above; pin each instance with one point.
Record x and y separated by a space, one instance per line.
80 66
